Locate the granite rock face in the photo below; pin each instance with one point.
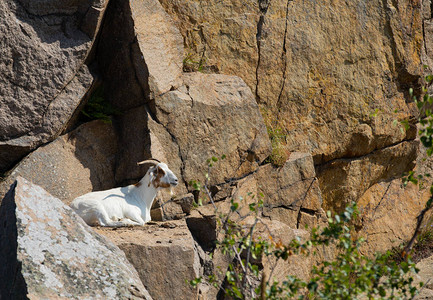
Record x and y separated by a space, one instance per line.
72 165
311 64
55 255
214 115
43 49
313 70
290 193
389 215
164 256
143 46
345 180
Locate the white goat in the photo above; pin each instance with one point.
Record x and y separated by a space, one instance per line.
128 205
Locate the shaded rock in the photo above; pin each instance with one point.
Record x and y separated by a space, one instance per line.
206 230
144 50
42 61
345 180
74 164
55 255
203 226
210 116
163 255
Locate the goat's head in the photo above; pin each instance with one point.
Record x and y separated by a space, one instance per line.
160 175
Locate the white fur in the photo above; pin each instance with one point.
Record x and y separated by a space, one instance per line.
123 206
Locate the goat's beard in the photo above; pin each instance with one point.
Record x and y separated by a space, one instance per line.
171 191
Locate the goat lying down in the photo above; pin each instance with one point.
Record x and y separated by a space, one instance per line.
128 205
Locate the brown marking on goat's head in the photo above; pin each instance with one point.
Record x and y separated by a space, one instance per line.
138 184
157 181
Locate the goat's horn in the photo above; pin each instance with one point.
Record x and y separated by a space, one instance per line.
149 161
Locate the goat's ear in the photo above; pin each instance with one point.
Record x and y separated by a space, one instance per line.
152 175
160 171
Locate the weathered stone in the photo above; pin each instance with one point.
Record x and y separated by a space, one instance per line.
55 255
175 208
205 229
42 58
387 201
311 65
388 214
223 33
144 50
425 275
72 165
296 265
345 180
289 189
160 44
163 255
214 115
288 192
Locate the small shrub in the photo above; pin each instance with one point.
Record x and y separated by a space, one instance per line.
191 64
278 137
349 276
98 108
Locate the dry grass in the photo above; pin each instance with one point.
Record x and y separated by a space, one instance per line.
278 136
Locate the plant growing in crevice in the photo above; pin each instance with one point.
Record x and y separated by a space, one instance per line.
278 138
98 108
191 64
348 276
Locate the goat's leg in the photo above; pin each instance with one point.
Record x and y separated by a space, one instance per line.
133 213
105 221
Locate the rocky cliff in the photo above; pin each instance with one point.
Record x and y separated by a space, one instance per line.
188 80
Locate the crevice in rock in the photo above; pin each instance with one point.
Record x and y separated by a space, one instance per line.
307 211
263 6
285 206
303 209
284 56
16 288
352 158
381 199
403 79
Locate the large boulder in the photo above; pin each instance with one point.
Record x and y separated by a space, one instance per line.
74 164
214 115
164 256
55 255
43 48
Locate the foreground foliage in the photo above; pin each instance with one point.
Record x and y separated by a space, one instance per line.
349 275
